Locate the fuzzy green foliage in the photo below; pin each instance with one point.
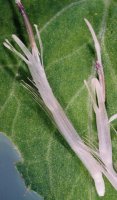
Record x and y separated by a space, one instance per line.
50 167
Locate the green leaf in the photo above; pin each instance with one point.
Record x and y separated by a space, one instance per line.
50 167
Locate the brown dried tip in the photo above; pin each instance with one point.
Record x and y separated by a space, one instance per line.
27 23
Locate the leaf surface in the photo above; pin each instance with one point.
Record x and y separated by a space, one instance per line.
50 167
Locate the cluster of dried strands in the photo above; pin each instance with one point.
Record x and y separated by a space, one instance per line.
97 162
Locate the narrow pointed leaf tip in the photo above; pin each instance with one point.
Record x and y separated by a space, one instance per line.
99 66
97 45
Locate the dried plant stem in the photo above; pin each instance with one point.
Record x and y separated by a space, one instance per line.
62 122
97 92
